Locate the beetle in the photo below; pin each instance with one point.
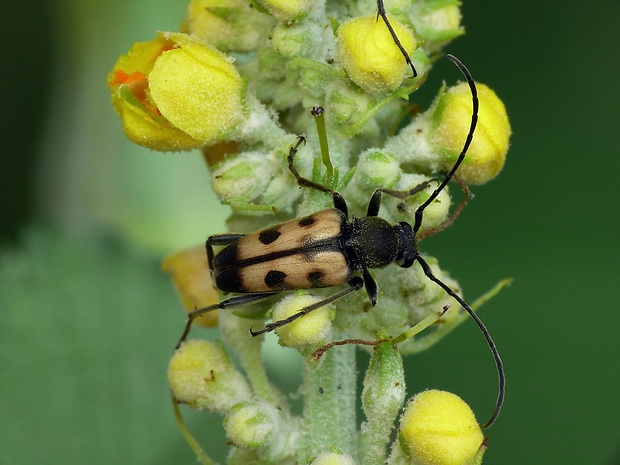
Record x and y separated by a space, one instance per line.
329 248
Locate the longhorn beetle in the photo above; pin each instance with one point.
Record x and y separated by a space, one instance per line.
328 249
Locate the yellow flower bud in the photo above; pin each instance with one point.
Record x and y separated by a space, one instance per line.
309 330
191 277
176 93
450 124
439 428
201 375
230 25
286 10
370 56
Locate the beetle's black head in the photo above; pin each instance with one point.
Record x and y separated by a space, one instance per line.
409 249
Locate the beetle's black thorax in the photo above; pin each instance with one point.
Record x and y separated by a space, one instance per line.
370 242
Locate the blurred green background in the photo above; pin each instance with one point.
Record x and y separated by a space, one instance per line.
88 321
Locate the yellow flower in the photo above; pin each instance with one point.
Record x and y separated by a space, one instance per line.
450 124
369 54
176 93
192 279
439 428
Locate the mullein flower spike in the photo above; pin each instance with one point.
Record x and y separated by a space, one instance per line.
182 91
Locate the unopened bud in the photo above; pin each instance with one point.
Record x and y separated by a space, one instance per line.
309 330
201 375
439 428
450 124
370 56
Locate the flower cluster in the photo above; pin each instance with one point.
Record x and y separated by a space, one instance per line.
239 82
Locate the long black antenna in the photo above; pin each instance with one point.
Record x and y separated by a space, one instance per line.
427 270
381 12
470 135
498 361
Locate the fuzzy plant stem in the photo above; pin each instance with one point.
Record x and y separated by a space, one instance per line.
382 398
236 332
330 403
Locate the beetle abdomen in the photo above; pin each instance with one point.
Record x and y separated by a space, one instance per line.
322 267
300 254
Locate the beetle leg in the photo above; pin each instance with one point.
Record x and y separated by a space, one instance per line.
219 239
338 199
375 200
454 215
418 328
236 301
371 286
498 361
355 284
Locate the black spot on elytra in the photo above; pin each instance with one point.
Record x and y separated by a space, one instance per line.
315 278
227 256
268 236
307 221
274 278
229 281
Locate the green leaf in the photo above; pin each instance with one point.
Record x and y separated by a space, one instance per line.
87 329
